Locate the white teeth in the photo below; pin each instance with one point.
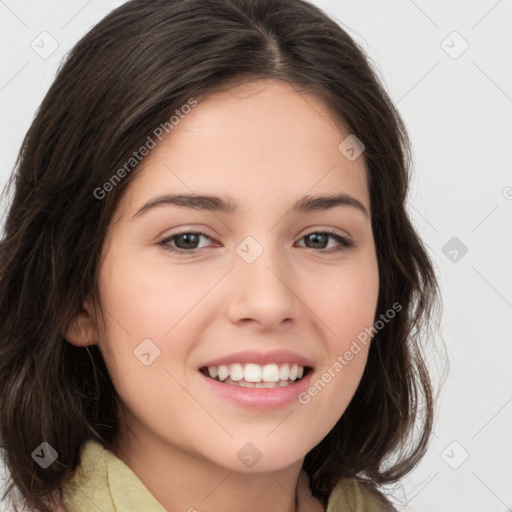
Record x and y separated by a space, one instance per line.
223 372
245 384
284 372
252 373
271 375
236 372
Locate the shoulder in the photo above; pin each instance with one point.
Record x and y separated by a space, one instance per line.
90 466
355 495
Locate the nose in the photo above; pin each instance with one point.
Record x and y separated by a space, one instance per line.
261 292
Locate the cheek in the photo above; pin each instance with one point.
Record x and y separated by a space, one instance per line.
346 301
149 309
154 295
345 305
144 300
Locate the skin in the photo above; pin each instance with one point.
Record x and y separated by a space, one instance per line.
264 145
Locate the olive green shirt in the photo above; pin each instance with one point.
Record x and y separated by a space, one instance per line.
104 482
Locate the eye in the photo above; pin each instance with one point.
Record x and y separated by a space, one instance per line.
187 241
321 237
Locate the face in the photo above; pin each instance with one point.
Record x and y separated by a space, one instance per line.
189 290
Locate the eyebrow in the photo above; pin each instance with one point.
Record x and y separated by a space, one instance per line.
305 204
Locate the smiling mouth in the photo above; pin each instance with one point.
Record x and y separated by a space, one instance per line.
257 376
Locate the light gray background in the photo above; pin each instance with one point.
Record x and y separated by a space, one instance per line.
457 106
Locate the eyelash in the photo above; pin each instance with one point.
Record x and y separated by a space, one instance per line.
346 243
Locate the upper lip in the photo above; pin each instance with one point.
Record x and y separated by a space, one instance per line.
262 358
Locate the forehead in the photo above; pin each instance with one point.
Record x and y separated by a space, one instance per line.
262 140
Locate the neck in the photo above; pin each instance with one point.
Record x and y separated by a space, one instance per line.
181 480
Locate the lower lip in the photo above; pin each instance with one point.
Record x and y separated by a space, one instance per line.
259 398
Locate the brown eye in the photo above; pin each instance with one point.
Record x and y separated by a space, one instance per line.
188 241
184 242
319 239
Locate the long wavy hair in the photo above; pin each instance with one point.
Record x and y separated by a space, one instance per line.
125 77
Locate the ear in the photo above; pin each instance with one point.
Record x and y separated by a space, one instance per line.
81 331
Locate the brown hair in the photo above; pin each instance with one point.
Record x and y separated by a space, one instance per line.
126 76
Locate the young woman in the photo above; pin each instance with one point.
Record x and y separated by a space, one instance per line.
212 297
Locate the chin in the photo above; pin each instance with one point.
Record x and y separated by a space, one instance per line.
260 456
